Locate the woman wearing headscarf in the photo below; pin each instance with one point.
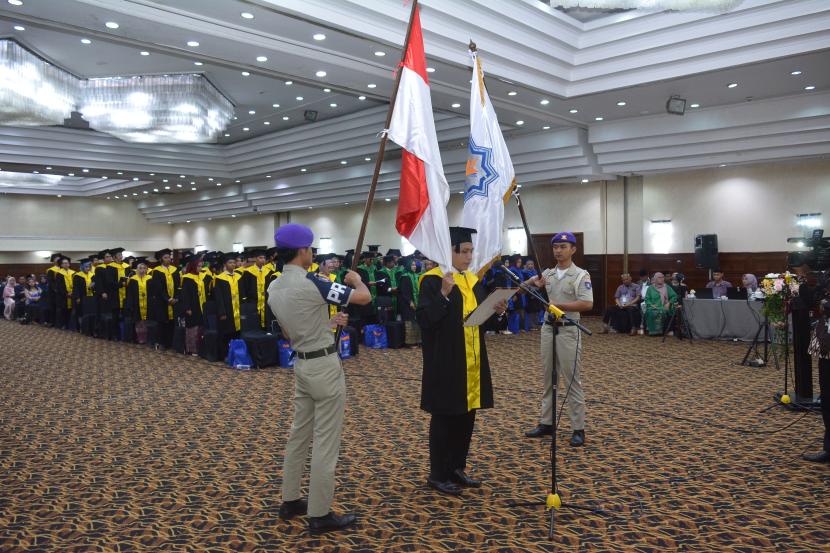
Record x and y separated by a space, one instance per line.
193 297
661 301
408 301
750 283
8 298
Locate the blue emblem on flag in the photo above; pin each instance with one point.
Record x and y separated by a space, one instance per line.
480 171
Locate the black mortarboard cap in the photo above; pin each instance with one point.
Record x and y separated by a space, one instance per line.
388 258
270 252
161 253
314 250
459 235
103 253
366 254
66 257
374 248
55 256
114 251
256 253
225 257
84 260
140 260
394 251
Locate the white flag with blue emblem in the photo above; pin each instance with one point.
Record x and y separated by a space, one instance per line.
490 177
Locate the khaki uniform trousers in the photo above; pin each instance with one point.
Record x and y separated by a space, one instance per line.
319 402
566 353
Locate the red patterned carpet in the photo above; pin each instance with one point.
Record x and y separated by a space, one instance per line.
113 447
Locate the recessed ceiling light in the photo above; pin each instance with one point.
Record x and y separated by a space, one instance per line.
194 188
600 118
245 74
135 193
86 41
36 172
227 134
303 170
210 179
371 85
251 111
267 176
111 25
60 196
155 189
321 73
694 106
192 182
145 191
192 43
85 170
731 85
167 188
319 36
234 215
262 58
344 162
430 70
326 90
218 184
546 127
722 165
361 98
135 178
275 105
573 111
512 93
164 180
247 15
367 159
181 176
388 199
120 172
237 180
809 87
104 177
19 28
621 103
289 83
198 63
332 105
544 102
520 122
796 72
144 53
456 105
299 98
584 180
15 2
380 54
187 221
178 185
47 168
266 122
285 118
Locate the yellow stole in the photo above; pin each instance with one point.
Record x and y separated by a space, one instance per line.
67 279
142 294
88 279
260 276
233 284
313 268
472 340
122 290
200 286
171 290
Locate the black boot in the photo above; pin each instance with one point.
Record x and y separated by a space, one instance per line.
460 477
330 522
578 438
540 430
290 509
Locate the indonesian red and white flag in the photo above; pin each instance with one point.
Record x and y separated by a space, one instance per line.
422 206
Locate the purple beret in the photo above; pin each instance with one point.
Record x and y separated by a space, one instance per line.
293 235
563 237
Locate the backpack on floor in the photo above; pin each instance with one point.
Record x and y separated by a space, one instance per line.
374 336
238 354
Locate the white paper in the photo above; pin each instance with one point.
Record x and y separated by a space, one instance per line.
486 308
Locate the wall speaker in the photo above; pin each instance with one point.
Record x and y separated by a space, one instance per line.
706 251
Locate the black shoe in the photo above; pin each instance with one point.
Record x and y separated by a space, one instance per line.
330 522
290 509
539 431
447 487
459 477
578 438
820 457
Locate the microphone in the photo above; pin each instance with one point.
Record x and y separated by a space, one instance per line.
552 309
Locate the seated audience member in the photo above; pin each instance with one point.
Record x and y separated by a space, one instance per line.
718 285
8 298
644 282
624 315
661 301
32 293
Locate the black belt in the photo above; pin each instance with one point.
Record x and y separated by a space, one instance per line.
561 323
305 356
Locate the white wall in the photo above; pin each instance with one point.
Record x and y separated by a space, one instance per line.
220 234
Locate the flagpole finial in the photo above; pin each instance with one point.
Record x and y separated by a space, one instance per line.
472 46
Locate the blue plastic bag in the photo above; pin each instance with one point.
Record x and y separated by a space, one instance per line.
238 354
286 354
375 336
345 345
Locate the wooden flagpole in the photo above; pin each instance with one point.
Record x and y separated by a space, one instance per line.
531 248
382 146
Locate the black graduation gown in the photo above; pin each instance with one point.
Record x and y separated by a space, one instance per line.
79 292
189 301
104 285
406 295
224 306
444 379
132 305
160 297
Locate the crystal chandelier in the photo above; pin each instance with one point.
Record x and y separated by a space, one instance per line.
169 108
33 91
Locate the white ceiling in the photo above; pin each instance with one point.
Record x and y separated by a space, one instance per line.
588 64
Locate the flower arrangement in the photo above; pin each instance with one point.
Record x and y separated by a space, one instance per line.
778 289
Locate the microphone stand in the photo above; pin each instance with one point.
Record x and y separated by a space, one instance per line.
553 501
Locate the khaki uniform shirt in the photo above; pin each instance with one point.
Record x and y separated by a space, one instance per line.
299 301
574 285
